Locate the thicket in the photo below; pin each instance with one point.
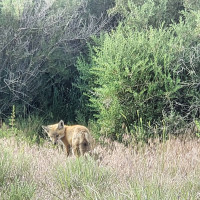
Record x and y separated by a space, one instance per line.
39 43
124 67
145 73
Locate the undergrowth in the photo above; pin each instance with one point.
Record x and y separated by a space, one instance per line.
84 178
158 170
15 175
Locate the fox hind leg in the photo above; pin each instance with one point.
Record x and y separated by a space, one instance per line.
76 150
84 147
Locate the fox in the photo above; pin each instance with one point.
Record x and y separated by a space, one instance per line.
77 137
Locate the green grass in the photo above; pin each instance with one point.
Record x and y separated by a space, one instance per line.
15 177
28 130
84 178
18 190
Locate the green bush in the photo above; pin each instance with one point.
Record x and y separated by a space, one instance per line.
142 14
133 71
146 71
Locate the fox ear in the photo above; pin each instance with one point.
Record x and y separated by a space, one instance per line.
46 128
61 124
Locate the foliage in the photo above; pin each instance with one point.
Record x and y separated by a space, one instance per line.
141 68
40 41
100 61
28 129
143 14
12 118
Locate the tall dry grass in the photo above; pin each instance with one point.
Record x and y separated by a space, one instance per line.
169 170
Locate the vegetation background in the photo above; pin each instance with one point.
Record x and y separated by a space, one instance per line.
120 67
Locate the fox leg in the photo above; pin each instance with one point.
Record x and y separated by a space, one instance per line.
84 147
76 151
67 146
75 146
67 150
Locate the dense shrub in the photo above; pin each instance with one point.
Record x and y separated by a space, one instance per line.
143 74
142 14
40 41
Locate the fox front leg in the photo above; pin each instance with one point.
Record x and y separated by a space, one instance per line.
67 146
68 150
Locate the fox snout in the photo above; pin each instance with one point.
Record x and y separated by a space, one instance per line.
54 140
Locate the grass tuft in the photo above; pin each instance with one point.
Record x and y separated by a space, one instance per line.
84 178
15 175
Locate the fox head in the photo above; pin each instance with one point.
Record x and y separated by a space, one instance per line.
55 131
